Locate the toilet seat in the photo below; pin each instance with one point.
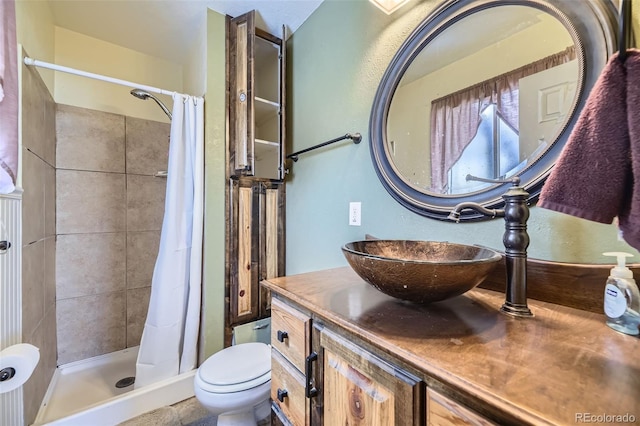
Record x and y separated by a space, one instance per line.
236 368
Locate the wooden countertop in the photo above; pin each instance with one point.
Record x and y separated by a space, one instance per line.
549 369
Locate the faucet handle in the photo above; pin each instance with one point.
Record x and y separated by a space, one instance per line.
515 181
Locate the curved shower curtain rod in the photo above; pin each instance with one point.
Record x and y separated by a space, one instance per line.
37 63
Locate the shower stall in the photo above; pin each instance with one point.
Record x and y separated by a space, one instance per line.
110 179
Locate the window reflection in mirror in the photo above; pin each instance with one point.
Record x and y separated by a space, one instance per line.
494 152
513 74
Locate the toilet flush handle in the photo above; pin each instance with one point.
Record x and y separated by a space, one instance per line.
4 246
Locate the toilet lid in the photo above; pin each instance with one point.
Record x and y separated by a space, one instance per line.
237 368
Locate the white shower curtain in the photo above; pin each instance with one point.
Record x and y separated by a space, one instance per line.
169 340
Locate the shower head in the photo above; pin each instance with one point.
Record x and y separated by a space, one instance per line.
141 94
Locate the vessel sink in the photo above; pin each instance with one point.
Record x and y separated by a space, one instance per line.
420 271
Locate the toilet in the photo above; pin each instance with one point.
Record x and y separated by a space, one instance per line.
234 384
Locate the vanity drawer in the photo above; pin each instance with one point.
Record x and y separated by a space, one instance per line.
443 411
288 390
290 333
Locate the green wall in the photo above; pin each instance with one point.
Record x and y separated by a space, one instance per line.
214 214
336 60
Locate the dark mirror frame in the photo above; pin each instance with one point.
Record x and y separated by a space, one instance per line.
593 26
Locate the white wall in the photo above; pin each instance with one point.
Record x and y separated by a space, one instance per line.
195 67
43 40
35 32
85 53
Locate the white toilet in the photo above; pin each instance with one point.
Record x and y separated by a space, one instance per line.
235 383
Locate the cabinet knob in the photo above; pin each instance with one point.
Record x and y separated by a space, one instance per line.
282 394
282 335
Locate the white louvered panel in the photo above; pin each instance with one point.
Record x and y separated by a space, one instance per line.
11 410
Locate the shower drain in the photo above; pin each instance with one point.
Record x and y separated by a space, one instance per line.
127 381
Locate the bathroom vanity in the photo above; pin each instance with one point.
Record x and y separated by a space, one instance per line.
344 353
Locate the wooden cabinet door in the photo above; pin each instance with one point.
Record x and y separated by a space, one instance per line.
256 246
240 38
244 251
271 238
360 388
256 76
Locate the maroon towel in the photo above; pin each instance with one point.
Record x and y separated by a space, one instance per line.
593 178
629 218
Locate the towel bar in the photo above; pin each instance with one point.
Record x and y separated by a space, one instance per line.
355 137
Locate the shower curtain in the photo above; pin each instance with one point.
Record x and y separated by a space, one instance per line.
170 335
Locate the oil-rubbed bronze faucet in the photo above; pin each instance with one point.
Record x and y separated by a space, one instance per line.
515 239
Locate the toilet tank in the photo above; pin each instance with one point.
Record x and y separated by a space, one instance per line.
256 331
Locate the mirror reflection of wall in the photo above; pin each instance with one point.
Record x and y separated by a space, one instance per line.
499 40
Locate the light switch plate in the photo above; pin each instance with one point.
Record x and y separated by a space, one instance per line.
355 209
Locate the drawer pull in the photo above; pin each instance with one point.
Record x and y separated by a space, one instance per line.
310 391
282 394
282 335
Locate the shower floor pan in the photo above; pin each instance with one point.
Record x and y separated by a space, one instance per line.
85 393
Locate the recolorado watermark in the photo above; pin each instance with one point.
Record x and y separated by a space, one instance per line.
605 418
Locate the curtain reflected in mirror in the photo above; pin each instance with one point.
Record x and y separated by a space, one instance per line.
494 151
482 105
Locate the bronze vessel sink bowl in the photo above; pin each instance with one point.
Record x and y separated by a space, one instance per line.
420 271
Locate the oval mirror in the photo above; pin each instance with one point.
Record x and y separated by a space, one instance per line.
485 89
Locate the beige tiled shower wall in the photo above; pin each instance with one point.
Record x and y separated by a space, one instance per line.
38 233
109 215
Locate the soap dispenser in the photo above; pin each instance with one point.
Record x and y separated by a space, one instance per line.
622 298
